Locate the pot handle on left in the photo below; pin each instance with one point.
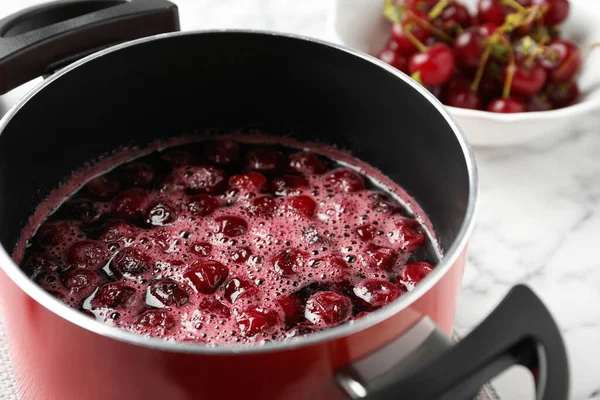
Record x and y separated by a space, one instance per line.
43 38
520 331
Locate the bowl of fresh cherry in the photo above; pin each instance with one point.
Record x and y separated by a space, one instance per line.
510 71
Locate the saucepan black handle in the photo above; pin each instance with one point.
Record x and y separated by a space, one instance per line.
44 37
520 331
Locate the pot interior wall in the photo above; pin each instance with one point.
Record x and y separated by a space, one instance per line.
286 85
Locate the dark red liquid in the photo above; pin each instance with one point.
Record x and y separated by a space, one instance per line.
223 242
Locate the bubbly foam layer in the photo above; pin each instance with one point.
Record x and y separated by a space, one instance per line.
225 243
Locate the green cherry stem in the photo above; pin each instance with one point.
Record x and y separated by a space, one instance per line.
510 73
574 56
439 8
480 70
418 44
513 4
431 28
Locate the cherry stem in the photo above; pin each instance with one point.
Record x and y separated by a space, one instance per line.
431 28
590 46
480 70
510 73
439 8
539 50
418 44
393 12
574 56
513 4
523 17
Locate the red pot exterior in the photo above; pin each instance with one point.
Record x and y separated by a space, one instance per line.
55 359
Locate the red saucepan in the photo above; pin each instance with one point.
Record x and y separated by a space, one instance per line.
134 93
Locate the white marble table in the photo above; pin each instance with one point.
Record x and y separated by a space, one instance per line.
539 215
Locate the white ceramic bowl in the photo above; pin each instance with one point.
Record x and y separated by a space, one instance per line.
360 25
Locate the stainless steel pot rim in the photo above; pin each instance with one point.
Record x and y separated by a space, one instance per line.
83 321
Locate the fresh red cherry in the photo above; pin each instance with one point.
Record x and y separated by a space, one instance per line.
434 66
423 5
137 173
345 180
488 29
84 211
470 44
539 102
414 273
204 178
264 207
328 308
556 11
222 151
287 185
88 254
130 261
460 95
214 307
526 81
54 232
455 17
303 206
264 158
160 212
292 308
366 232
257 320
411 24
169 293
377 292
492 11
113 295
562 60
395 59
202 204
81 280
307 163
379 257
439 92
287 262
506 105
252 181
118 231
202 249
156 322
241 254
102 187
207 275
230 226
129 204
489 88
563 95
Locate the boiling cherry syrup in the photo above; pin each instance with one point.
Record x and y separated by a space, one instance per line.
222 242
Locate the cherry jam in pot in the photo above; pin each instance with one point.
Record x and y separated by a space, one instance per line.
225 242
